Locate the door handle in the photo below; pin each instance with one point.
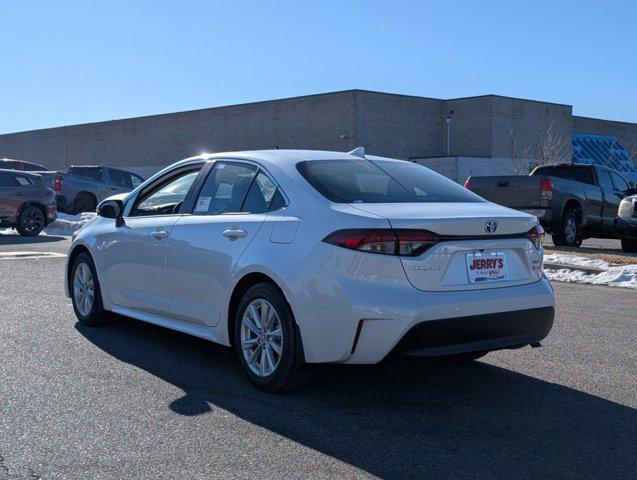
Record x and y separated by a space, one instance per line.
19 194
159 234
234 232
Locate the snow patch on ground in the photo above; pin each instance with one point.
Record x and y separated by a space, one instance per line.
68 224
567 259
620 276
64 224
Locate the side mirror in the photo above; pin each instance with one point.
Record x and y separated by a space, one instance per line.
111 209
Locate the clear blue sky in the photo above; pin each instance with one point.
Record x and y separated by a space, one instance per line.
65 62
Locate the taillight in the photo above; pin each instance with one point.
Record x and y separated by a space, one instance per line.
57 183
546 189
536 235
404 242
466 183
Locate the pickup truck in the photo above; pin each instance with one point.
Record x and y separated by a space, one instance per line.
571 201
83 187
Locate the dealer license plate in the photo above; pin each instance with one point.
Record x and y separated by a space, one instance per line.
486 267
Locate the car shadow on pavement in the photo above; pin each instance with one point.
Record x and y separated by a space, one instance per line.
19 240
400 419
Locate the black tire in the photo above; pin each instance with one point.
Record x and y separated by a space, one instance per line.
568 232
467 357
629 245
31 221
96 316
84 202
291 372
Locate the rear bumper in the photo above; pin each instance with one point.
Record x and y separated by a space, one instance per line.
477 332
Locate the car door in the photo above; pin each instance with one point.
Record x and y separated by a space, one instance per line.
10 200
134 256
228 212
594 199
611 201
119 181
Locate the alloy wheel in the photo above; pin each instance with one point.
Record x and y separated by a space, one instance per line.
570 230
32 220
83 289
261 337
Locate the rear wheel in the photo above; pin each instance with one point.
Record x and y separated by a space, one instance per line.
31 221
568 232
629 245
84 202
266 341
85 292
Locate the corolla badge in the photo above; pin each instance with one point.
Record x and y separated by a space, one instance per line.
491 226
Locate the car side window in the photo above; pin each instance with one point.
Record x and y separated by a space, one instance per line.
605 182
620 183
6 181
118 178
24 181
225 189
135 180
262 195
167 197
582 174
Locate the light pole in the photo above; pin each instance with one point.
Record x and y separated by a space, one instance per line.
448 120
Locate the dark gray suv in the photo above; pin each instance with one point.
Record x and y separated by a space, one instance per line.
26 203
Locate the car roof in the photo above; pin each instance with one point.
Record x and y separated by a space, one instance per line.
19 172
281 158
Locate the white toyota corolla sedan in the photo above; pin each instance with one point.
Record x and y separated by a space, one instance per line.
295 257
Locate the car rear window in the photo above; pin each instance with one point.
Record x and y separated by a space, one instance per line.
33 167
89 172
381 181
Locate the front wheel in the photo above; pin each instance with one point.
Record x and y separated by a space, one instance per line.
266 341
85 292
629 245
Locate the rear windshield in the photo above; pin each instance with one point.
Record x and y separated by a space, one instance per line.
94 173
381 181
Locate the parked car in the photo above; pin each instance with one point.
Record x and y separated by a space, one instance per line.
572 201
26 203
626 224
83 187
10 164
301 257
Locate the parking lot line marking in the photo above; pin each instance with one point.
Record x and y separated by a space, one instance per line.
26 255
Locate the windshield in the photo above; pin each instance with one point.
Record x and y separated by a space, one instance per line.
382 181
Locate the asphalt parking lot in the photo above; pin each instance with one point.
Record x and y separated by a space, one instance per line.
137 401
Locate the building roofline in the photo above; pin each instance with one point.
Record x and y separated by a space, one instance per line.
258 102
493 95
188 111
631 124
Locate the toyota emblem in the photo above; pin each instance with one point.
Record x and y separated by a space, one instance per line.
491 226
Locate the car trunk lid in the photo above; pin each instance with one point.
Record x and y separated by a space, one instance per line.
490 236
